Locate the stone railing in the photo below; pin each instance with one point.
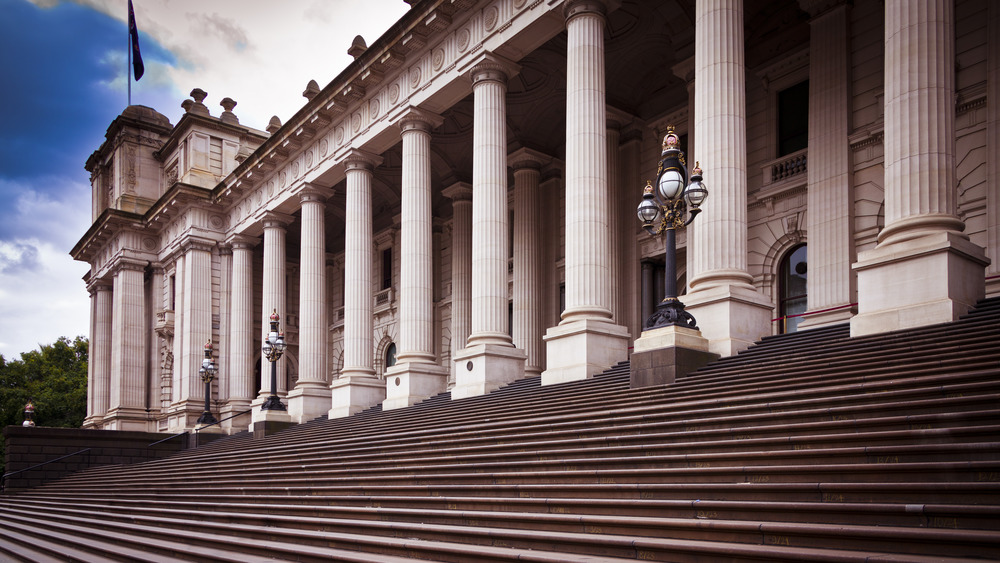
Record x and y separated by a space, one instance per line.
384 299
784 168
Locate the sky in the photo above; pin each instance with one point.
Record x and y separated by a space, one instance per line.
64 80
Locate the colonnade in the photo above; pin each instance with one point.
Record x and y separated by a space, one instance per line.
922 243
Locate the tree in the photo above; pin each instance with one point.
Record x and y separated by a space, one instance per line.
53 378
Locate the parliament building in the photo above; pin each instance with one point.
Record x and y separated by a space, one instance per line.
456 209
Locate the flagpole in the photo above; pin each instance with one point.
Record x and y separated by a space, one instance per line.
128 68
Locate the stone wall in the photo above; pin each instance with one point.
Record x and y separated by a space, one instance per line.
28 447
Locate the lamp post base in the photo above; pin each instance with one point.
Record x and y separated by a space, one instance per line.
273 403
670 312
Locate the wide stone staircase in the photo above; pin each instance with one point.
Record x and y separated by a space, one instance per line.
806 447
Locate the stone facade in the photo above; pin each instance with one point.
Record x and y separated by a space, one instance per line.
461 199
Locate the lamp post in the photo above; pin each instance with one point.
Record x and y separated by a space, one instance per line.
671 205
29 415
207 373
273 347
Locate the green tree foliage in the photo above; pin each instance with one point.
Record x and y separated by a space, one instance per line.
53 378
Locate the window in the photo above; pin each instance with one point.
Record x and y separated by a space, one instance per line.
792 288
793 118
390 355
387 268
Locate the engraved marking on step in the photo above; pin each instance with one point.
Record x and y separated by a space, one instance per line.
760 479
833 497
702 464
777 540
743 437
944 522
606 480
646 556
887 459
707 514
920 427
988 476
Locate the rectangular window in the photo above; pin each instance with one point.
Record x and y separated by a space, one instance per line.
387 268
793 118
173 293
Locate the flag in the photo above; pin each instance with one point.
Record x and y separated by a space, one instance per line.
133 33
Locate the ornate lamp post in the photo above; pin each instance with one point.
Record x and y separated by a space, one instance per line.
207 372
670 206
273 347
29 415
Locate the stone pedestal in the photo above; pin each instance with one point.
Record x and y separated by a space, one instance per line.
731 317
269 422
308 401
409 383
585 348
663 355
482 368
354 393
925 280
236 423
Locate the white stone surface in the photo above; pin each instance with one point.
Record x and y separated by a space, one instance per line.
527 294
492 367
311 396
584 348
127 389
409 383
100 355
275 296
461 263
671 337
354 393
731 317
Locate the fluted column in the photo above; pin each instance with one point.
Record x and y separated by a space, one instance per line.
311 397
629 302
274 298
528 328
612 137
127 382
729 310
357 388
831 193
241 337
923 269
99 366
461 264
196 307
586 341
489 359
416 375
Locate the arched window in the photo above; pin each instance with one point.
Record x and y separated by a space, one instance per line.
390 355
792 288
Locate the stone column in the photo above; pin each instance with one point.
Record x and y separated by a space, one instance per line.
731 313
178 352
648 291
490 359
311 397
993 147
196 308
357 388
586 341
831 194
461 265
241 341
416 375
923 270
127 381
274 298
614 120
528 327
99 367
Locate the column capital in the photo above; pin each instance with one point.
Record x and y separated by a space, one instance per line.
413 118
493 68
459 191
242 241
616 118
313 192
129 264
275 220
574 8
358 159
196 243
527 158
99 285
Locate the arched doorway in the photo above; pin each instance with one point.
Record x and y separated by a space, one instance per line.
792 288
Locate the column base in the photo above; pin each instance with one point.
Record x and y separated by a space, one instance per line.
352 394
482 368
827 318
731 317
916 282
308 401
237 423
582 349
664 354
95 422
411 382
123 418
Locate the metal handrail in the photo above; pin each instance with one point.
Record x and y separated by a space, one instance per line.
3 479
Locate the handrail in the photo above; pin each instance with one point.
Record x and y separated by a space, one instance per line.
3 479
223 420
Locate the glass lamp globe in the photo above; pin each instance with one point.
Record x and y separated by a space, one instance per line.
670 185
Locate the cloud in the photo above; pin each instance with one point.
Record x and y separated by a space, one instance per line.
18 257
